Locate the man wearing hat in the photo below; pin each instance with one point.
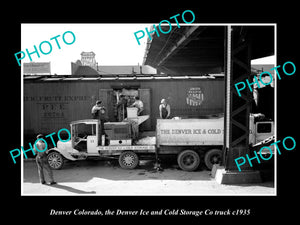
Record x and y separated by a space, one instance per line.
95 109
40 150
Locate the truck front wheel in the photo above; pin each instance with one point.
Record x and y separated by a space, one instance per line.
55 160
188 160
128 160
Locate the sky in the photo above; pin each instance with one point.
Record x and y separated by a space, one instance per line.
265 60
113 44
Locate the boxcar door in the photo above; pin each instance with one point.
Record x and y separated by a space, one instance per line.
108 101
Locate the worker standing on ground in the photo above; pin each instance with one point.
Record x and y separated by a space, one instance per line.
41 160
164 109
95 109
139 105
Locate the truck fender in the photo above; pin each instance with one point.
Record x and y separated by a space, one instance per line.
63 153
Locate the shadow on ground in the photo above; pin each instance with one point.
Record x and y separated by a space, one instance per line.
83 171
72 190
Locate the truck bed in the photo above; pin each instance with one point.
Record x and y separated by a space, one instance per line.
190 132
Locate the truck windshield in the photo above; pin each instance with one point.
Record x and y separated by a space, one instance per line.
264 128
82 130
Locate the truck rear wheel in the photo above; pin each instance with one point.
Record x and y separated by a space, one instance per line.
128 160
188 160
213 156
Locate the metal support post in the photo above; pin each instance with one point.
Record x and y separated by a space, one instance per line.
237 109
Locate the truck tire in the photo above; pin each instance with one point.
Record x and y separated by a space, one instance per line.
188 160
213 156
55 160
128 160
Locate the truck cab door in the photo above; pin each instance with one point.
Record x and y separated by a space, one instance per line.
92 143
264 130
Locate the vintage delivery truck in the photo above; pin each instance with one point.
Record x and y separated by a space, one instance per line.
190 140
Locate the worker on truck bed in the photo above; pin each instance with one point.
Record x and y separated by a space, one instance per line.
95 109
138 104
164 109
121 108
103 119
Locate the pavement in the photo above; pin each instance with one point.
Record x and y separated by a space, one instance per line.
95 177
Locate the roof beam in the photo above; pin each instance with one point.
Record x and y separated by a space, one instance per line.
182 42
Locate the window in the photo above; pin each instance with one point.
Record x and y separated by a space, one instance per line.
264 127
82 129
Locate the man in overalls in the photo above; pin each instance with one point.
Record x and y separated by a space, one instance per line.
41 160
164 109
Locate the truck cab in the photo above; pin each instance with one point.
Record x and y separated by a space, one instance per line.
85 135
83 143
261 132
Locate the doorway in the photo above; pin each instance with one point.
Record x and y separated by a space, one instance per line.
116 110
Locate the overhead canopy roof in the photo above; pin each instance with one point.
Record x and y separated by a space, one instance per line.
196 50
66 78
